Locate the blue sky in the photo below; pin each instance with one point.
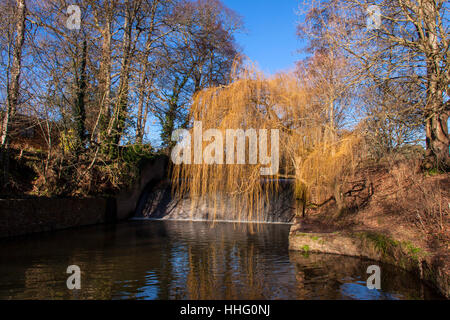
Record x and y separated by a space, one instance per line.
270 38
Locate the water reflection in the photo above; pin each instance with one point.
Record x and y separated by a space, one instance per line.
187 260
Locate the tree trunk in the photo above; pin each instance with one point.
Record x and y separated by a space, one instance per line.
79 111
105 77
13 86
438 142
141 118
437 153
118 119
169 125
13 90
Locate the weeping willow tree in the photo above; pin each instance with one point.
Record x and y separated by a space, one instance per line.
312 152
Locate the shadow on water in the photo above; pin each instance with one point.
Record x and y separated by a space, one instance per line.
187 260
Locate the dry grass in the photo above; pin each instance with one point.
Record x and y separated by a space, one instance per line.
395 198
417 199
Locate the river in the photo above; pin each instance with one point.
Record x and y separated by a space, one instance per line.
188 260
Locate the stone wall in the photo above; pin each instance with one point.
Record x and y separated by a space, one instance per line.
23 216
19 217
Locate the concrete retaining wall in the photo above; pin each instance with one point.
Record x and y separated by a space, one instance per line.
23 216
18 217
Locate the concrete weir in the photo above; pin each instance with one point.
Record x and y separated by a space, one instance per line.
158 204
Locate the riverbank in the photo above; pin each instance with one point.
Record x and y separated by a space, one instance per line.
429 266
401 218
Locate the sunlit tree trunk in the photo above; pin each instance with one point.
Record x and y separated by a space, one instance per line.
105 74
13 85
438 142
437 154
119 117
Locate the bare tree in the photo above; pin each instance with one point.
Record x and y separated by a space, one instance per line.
410 45
200 55
104 15
90 90
159 27
325 73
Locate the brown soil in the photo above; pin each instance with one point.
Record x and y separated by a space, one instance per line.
397 201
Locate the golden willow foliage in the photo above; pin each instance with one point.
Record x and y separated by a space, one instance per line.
311 150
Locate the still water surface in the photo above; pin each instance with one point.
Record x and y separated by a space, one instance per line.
188 260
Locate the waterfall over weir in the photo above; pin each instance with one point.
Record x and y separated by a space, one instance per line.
157 203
